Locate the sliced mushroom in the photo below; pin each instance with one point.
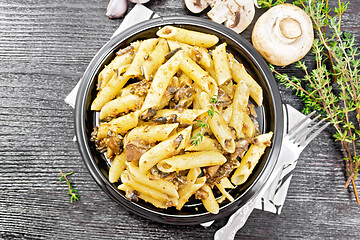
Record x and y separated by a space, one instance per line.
283 35
236 14
241 16
196 6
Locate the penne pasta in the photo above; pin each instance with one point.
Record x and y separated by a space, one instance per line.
118 125
248 126
210 202
160 83
146 198
152 133
239 73
165 149
109 92
186 116
251 158
187 36
117 63
197 54
191 160
153 61
169 120
157 184
128 180
189 190
218 126
120 105
221 65
196 73
146 47
207 144
117 167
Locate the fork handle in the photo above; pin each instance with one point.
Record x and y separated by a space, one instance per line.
236 221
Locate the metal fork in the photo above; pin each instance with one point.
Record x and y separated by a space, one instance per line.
293 144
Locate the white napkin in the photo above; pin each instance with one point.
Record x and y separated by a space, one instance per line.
274 198
138 14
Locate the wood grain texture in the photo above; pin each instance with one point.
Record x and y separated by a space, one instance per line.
45 46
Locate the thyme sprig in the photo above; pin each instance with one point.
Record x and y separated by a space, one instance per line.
270 3
203 124
332 87
74 196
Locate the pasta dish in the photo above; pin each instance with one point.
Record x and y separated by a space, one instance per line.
176 120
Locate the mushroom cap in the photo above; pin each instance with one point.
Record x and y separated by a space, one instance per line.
283 35
196 6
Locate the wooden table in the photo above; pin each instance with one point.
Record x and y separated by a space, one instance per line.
45 47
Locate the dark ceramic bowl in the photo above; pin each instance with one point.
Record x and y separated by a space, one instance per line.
270 118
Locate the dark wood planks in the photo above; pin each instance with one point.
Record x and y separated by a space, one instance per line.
44 48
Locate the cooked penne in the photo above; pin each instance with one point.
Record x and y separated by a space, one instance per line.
126 57
248 128
146 198
210 202
157 184
227 114
207 144
118 125
128 180
186 192
186 116
225 183
197 54
109 92
146 47
241 97
117 167
218 126
120 105
251 158
160 83
165 149
155 59
196 73
237 122
221 65
168 117
191 160
152 133
187 36
239 73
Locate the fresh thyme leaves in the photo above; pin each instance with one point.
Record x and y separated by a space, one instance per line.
333 86
74 196
269 3
198 137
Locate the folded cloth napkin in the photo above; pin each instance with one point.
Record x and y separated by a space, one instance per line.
138 14
274 198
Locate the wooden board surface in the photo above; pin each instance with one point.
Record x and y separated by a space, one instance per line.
45 46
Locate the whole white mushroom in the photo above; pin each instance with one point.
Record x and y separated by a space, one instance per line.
283 35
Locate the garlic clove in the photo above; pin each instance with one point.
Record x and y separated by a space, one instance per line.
139 1
116 8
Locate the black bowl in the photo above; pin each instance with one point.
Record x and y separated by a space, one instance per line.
270 118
